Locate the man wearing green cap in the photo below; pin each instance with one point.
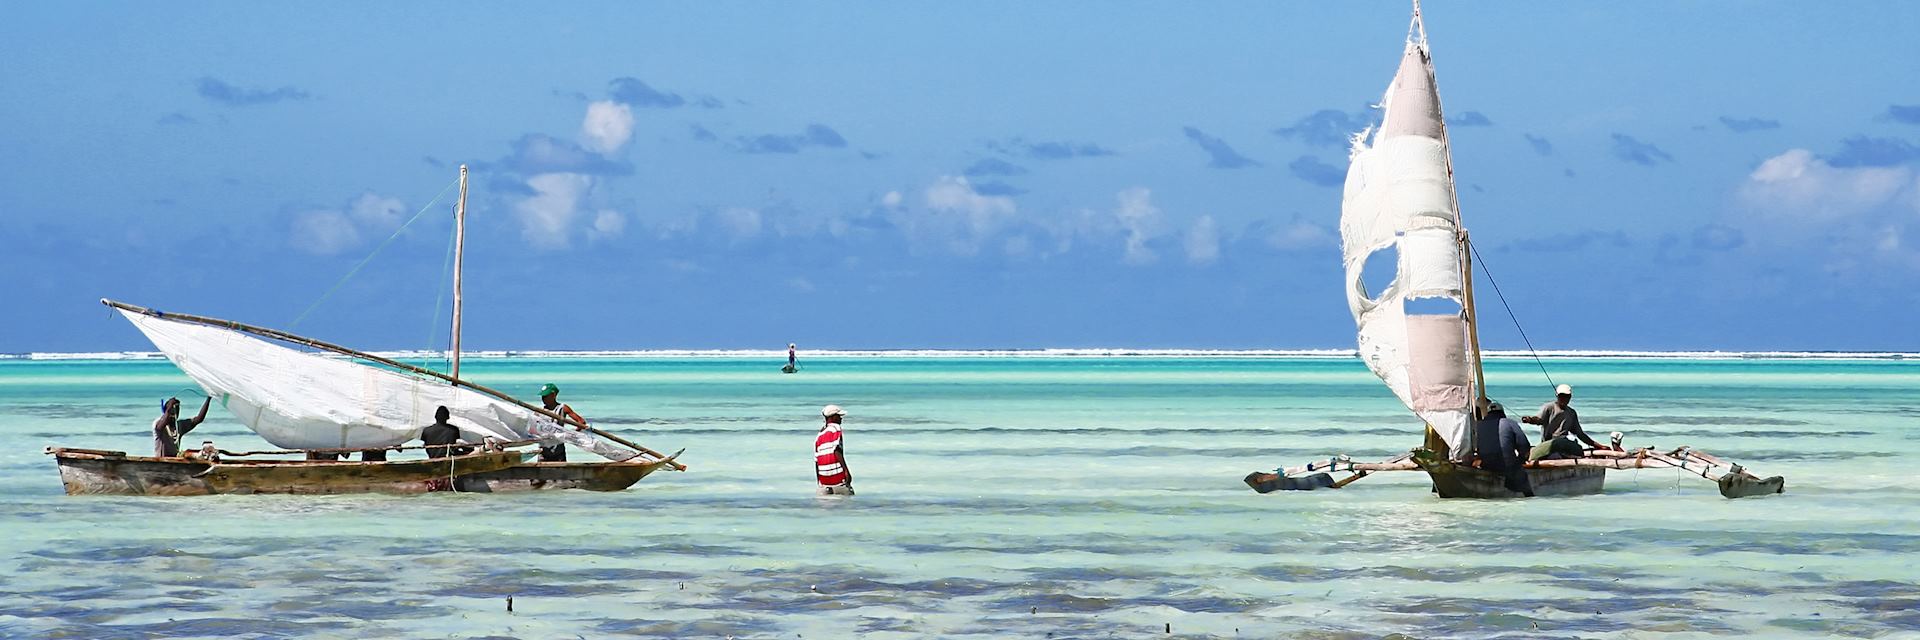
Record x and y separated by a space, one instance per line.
550 396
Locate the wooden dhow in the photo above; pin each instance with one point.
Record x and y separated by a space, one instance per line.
333 399
1419 332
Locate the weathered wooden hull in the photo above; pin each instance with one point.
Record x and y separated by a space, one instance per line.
97 472
88 471
546 476
1460 481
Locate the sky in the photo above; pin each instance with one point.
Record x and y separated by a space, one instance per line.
1642 175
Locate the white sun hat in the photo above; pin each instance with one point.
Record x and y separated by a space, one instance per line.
832 410
1563 390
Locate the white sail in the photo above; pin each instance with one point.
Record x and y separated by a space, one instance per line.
1399 195
302 400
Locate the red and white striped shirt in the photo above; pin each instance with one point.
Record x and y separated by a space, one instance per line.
827 463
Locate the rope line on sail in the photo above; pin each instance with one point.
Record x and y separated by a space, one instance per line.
1516 319
363 261
439 297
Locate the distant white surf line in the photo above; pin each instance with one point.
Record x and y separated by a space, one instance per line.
1038 353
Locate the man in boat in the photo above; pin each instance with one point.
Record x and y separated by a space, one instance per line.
793 363
440 435
550 396
1502 446
1559 425
168 428
830 455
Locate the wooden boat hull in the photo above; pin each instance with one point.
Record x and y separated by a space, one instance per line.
97 472
546 476
1452 480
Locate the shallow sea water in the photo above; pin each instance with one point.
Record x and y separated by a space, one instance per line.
1030 497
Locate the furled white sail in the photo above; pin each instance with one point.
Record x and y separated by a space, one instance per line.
1399 195
303 400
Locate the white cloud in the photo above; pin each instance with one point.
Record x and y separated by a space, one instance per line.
608 126
739 222
546 218
375 211
1300 235
891 200
324 233
1203 241
1796 186
609 224
1141 220
952 194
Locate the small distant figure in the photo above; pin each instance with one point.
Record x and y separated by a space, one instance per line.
1502 446
793 361
1559 425
168 428
208 453
441 435
830 455
550 397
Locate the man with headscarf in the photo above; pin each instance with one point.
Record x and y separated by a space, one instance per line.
830 455
550 397
168 428
1503 448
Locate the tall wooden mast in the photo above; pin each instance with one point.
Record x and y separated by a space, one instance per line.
459 248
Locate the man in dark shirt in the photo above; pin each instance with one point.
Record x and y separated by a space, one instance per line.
440 434
168 429
1559 425
1502 446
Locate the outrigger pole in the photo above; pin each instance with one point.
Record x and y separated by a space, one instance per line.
283 336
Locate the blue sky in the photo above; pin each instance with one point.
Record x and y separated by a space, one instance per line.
721 175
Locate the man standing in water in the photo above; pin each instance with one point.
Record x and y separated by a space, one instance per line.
168 428
830 455
793 363
550 396
1559 425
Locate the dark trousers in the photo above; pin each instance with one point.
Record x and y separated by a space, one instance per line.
1510 471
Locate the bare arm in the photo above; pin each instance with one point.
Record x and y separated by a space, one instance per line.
183 426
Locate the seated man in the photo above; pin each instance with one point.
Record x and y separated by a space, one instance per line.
439 435
1559 425
1502 446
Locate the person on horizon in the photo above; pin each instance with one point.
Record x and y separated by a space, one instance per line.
830 455
169 428
1559 425
550 397
793 361
1503 448
441 435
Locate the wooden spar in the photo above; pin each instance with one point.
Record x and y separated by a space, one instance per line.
327 346
459 251
1473 315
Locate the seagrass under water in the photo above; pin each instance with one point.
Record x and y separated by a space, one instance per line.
1003 497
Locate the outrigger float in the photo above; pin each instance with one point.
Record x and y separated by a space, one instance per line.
330 399
1420 333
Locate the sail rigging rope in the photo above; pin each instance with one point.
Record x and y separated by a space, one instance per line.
363 261
1503 302
440 296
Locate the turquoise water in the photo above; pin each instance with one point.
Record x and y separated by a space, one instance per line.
1004 498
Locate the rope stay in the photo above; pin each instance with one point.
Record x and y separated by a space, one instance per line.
1503 303
363 261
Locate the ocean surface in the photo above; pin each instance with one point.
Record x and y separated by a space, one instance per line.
1040 496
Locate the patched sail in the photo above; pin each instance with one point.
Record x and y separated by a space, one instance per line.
303 400
1399 196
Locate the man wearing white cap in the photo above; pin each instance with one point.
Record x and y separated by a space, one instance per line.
1559 425
830 455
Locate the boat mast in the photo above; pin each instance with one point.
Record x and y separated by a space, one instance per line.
1419 29
459 248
